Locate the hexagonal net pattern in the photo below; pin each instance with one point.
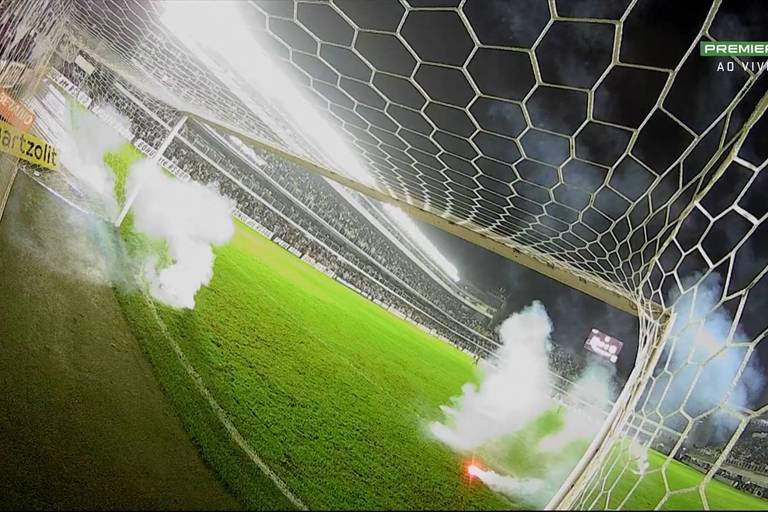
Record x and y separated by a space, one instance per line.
591 136
28 29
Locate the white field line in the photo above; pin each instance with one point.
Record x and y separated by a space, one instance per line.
200 385
222 415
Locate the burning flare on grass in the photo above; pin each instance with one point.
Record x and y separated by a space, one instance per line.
526 488
514 392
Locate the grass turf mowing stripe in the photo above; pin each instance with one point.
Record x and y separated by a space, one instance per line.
222 415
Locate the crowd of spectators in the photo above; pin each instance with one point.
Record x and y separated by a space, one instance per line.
196 87
254 196
100 86
303 210
142 125
13 47
312 191
168 116
751 452
567 365
377 212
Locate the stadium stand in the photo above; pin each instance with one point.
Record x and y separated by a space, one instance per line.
303 212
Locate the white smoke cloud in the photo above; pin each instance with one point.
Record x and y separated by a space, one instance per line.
526 489
699 341
515 391
639 452
515 388
577 424
85 141
190 217
595 385
587 409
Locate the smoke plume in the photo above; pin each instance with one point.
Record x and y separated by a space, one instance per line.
190 217
526 489
702 364
514 390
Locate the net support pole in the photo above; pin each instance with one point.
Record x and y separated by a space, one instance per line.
167 142
8 170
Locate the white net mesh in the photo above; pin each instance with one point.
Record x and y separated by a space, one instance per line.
28 29
592 137
552 162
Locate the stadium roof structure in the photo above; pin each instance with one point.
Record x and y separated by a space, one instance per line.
571 136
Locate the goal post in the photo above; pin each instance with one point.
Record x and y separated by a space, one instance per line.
658 357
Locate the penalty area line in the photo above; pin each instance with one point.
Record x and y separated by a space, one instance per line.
222 415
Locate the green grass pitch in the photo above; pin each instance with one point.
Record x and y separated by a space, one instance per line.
332 391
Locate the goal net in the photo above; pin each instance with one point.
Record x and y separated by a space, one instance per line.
591 137
28 29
